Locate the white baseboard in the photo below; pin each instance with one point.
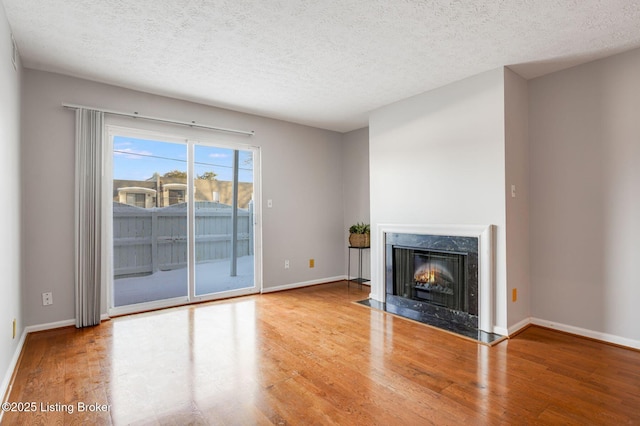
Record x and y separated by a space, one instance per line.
6 381
583 332
517 327
513 329
59 324
303 284
50 326
597 335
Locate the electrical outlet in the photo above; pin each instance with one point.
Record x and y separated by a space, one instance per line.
14 328
286 264
514 295
312 263
47 299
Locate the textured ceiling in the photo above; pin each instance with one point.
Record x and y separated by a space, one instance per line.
323 63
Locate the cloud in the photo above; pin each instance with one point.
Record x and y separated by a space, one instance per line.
218 155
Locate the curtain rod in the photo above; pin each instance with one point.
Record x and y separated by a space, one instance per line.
163 120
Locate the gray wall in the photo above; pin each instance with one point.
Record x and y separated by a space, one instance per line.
439 158
11 249
585 200
355 173
517 173
301 173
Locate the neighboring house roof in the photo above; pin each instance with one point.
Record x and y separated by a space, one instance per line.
137 189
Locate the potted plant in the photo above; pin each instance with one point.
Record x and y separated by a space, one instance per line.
359 235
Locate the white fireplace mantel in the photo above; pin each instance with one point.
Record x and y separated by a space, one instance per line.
486 276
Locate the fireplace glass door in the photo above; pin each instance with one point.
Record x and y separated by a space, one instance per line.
434 277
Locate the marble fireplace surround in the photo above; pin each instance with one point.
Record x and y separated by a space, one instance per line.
486 261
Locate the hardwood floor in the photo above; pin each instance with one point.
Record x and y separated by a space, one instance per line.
310 356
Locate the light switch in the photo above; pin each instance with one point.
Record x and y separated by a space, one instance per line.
269 203
513 191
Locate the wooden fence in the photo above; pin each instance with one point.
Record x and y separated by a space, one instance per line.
150 240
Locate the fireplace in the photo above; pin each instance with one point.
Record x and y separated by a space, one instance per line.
434 275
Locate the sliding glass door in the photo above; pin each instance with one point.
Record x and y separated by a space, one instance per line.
183 220
150 250
224 219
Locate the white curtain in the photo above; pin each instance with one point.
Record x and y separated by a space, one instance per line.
88 212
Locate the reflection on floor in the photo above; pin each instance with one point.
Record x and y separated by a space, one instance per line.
462 330
211 277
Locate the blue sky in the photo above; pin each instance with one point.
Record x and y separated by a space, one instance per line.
139 159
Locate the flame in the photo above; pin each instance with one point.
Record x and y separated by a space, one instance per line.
426 276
